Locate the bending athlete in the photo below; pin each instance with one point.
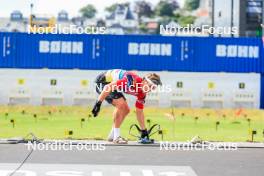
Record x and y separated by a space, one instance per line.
111 85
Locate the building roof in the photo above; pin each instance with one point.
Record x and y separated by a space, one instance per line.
111 16
121 10
152 25
63 16
16 16
129 15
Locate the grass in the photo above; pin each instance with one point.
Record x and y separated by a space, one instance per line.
54 122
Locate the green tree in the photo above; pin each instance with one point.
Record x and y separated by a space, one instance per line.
185 20
143 28
176 17
143 8
191 4
88 11
166 8
113 7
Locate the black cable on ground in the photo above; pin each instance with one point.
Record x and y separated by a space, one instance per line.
22 163
34 139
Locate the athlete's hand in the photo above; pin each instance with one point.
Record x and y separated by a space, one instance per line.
96 108
144 134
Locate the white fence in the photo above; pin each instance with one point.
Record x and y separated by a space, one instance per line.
76 87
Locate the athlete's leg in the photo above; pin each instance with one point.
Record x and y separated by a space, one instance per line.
119 114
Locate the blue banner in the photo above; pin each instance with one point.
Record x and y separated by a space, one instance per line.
205 54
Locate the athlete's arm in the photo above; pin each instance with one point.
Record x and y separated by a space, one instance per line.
106 91
119 84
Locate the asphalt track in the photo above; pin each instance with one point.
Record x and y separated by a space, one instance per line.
241 162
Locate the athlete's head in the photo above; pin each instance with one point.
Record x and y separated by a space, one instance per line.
150 82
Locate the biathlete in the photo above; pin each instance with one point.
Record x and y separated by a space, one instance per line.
111 85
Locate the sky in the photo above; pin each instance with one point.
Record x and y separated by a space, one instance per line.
52 7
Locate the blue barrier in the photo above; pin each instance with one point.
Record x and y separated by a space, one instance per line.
20 50
262 92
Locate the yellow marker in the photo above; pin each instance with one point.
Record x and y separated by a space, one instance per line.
249 131
84 82
66 132
211 85
164 131
21 81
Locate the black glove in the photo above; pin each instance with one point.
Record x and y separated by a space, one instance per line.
96 108
144 133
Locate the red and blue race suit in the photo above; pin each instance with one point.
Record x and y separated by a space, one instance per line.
126 81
